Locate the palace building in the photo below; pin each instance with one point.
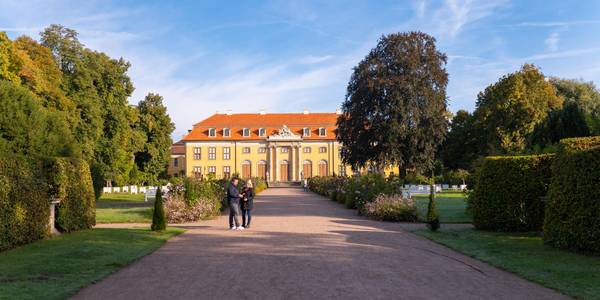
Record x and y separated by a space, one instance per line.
279 147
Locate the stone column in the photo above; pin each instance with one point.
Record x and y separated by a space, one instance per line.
276 165
300 164
293 163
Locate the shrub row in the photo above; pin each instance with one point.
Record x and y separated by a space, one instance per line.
573 214
372 194
24 210
509 193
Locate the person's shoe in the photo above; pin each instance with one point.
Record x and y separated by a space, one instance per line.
240 228
247 226
232 228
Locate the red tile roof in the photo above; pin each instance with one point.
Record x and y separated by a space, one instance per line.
271 122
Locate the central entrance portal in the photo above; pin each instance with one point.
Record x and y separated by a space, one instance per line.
285 170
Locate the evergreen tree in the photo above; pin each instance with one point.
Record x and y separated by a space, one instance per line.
395 108
433 220
155 127
462 145
159 218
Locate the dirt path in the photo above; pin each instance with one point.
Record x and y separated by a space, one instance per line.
302 246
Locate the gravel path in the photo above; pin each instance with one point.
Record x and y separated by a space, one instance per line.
303 246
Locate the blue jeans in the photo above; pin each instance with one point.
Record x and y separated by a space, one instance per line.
234 212
246 212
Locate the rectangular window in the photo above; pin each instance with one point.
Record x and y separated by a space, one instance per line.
197 153
342 171
246 150
262 150
306 132
212 132
262 132
322 149
285 149
322 131
226 132
176 162
307 149
197 171
226 153
212 153
212 170
246 132
226 172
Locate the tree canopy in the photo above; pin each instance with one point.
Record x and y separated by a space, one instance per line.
395 108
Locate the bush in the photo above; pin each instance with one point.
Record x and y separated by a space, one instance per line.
456 177
508 193
159 222
393 208
574 197
70 180
194 200
24 206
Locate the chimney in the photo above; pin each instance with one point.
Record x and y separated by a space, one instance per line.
229 112
338 111
189 130
262 111
305 111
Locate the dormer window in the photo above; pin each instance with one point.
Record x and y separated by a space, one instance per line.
262 132
306 131
246 132
226 132
322 131
212 132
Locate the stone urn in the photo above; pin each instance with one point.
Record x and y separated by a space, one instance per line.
53 203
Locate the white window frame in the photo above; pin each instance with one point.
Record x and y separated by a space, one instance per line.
322 131
246 132
226 132
262 132
212 170
285 150
226 172
246 150
307 150
197 153
212 153
226 153
262 150
322 149
306 131
212 132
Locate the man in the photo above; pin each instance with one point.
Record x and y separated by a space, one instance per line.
233 199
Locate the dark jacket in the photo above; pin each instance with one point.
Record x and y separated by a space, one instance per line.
233 195
248 201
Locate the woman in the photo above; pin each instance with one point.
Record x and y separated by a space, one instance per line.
247 204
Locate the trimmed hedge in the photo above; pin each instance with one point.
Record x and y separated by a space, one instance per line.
24 208
509 191
70 180
573 214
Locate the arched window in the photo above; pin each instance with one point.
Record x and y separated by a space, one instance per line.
307 169
323 170
284 169
246 169
262 169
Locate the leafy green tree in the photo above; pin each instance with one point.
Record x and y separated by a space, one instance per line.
395 108
159 218
570 121
156 127
587 97
508 110
462 145
9 62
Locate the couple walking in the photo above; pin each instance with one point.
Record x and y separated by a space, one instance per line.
240 202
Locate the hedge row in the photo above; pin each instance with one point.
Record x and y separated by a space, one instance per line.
573 214
509 193
24 210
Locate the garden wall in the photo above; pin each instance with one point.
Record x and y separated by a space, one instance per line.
509 192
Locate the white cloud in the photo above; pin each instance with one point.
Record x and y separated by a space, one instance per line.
309 60
552 41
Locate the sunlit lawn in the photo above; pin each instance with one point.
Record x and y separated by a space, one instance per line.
123 208
525 255
59 267
451 207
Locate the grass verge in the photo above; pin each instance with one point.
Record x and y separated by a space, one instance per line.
57 268
451 206
123 208
570 273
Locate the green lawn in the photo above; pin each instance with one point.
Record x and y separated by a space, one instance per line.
123 208
525 254
451 207
59 267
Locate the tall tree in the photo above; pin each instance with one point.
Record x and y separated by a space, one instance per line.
462 144
508 110
395 108
156 127
587 97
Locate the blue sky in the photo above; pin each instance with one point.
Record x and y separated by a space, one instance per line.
284 56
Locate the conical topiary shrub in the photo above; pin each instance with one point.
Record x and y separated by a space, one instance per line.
433 220
159 219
